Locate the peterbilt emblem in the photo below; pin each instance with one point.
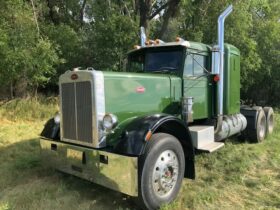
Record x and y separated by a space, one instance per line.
74 76
140 89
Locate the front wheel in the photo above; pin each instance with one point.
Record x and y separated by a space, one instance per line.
161 170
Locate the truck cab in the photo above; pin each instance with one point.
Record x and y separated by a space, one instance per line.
189 62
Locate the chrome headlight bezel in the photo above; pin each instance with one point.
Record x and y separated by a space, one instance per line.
110 121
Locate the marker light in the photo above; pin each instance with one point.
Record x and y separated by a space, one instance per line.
216 78
136 47
179 39
148 135
158 41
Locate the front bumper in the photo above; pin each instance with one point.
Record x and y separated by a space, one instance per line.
117 172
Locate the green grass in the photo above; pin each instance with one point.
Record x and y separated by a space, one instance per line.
239 176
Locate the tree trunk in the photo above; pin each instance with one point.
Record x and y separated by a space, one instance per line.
82 12
145 7
11 90
36 91
51 12
171 10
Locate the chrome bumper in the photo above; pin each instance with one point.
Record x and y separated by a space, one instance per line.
113 171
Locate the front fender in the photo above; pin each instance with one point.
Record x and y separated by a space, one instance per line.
129 139
51 130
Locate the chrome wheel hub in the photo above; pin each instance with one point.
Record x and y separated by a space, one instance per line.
165 173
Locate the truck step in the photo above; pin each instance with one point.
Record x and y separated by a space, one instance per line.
203 138
212 147
201 135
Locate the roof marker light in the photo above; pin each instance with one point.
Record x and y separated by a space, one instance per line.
158 41
179 39
136 47
151 42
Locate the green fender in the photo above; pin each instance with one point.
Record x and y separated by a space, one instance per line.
129 138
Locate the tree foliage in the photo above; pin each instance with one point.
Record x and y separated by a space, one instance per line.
98 33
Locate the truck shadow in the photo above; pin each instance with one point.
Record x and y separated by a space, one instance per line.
22 168
235 140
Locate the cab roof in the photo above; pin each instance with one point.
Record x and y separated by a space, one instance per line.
186 44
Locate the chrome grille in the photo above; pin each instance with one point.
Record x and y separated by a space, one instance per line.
76 99
84 111
68 110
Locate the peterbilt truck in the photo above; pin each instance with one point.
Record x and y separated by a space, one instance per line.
137 131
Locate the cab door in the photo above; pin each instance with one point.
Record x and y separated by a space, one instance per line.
197 85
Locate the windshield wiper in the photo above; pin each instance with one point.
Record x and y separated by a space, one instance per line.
166 69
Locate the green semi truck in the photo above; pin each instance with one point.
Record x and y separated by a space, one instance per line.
136 131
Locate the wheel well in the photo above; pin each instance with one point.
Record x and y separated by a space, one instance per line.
182 133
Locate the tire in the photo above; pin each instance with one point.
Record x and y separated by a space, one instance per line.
258 135
269 114
161 171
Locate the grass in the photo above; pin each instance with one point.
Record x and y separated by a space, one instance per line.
239 176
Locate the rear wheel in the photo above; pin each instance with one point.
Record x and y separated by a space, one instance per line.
269 114
258 135
161 170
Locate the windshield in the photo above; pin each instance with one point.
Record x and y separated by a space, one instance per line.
163 61
156 61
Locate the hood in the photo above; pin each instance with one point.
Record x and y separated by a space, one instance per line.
130 95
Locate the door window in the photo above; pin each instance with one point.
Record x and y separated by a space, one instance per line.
194 65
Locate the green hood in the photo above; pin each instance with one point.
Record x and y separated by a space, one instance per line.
134 94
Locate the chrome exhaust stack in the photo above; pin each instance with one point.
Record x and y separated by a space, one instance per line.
143 36
218 65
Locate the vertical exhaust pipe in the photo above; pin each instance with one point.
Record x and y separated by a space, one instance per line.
220 67
143 36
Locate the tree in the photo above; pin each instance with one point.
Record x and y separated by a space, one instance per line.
27 59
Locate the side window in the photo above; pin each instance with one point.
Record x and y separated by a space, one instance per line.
194 64
199 64
188 69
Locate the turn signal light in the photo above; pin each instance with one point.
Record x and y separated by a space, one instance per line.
148 135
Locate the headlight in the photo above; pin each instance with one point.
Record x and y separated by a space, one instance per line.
57 118
110 121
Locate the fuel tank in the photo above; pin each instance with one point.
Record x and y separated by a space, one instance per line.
232 124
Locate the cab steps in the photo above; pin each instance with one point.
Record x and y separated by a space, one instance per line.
203 138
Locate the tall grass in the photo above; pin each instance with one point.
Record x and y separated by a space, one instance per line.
30 109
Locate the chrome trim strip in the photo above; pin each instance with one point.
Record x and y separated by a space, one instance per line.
75 99
99 105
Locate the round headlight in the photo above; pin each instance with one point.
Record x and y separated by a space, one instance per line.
110 121
57 118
